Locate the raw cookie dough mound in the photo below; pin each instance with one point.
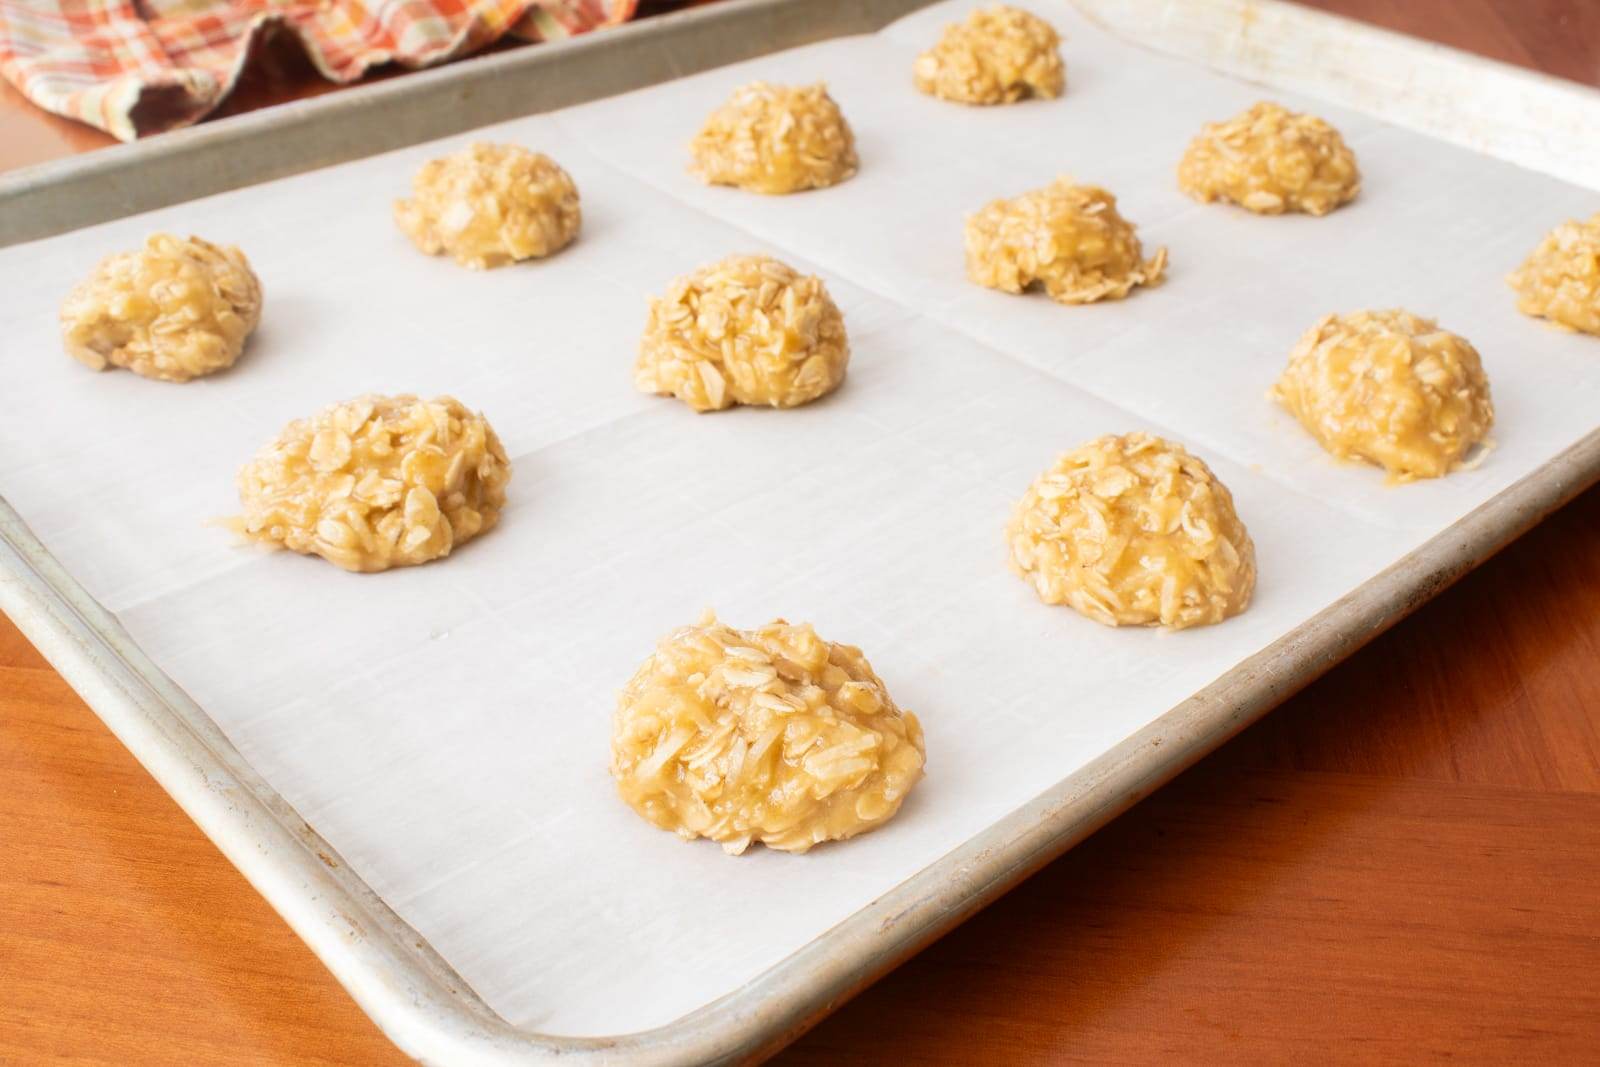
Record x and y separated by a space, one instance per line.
1270 160
774 139
1134 531
176 309
997 56
489 205
771 735
1561 279
1068 238
747 330
378 482
1390 388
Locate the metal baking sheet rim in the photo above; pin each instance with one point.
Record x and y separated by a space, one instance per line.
433 1015
1532 119
411 993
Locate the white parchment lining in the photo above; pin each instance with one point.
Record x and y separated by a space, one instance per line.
445 727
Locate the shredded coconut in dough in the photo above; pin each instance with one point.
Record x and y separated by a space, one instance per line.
1134 531
1068 238
774 139
1391 388
177 309
1270 160
378 482
1560 281
489 205
771 735
747 330
997 56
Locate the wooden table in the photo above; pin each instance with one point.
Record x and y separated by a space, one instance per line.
1401 863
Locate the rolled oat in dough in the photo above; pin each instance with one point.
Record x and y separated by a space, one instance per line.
997 56
378 482
1067 238
770 735
489 205
1560 280
176 309
1134 531
747 330
775 139
1391 388
1271 160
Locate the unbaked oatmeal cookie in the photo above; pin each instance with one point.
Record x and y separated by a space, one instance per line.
176 309
770 736
1067 238
747 330
378 482
1560 280
775 139
1390 388
491 204
1133 530
1270 160
998 55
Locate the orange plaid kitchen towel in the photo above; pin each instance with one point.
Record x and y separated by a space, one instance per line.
133 67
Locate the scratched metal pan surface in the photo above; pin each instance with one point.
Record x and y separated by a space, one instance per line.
1534 121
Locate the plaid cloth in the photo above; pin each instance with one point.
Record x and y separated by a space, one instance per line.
133 67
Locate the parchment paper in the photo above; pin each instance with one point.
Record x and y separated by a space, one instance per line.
445 727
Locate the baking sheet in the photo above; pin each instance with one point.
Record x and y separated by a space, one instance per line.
445 727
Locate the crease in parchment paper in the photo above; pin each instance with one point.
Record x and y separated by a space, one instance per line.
445 727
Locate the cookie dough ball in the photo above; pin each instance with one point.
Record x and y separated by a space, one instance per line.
997 56
1270 160
747 330
1390 388
1134 531
177 309
1068 238
378 482
1561 279
771 735
775 139
489 205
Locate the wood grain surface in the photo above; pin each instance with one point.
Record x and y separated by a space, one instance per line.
1401 864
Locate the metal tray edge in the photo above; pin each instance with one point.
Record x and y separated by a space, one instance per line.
1534 120
412 994
431 1014
170 168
